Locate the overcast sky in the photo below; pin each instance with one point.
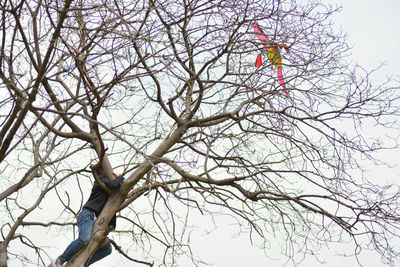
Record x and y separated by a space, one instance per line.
374 30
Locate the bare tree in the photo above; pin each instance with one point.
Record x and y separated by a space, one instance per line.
167 93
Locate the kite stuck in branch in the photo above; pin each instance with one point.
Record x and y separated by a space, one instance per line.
272 51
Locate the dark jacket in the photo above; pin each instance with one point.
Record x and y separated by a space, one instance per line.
98 197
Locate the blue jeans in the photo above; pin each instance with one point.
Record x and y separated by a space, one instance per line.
85 228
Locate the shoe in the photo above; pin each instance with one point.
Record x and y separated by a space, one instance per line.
55 264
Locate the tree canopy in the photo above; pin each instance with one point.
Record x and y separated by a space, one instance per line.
166 93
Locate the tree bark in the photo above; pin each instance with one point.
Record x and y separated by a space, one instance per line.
3 255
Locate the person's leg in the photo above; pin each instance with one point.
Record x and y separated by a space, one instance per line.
85 229
101 253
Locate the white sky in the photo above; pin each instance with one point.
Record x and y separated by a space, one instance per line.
374 30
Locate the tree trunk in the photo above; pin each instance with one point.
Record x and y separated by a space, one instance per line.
3 255
113 204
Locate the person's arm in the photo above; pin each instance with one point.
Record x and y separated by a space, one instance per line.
112 184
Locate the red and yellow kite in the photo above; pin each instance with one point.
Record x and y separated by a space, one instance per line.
273 53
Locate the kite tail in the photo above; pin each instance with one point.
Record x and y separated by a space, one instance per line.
280 78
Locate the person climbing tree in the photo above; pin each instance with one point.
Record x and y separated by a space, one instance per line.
86 218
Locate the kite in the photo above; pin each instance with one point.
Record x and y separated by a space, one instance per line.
272 52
